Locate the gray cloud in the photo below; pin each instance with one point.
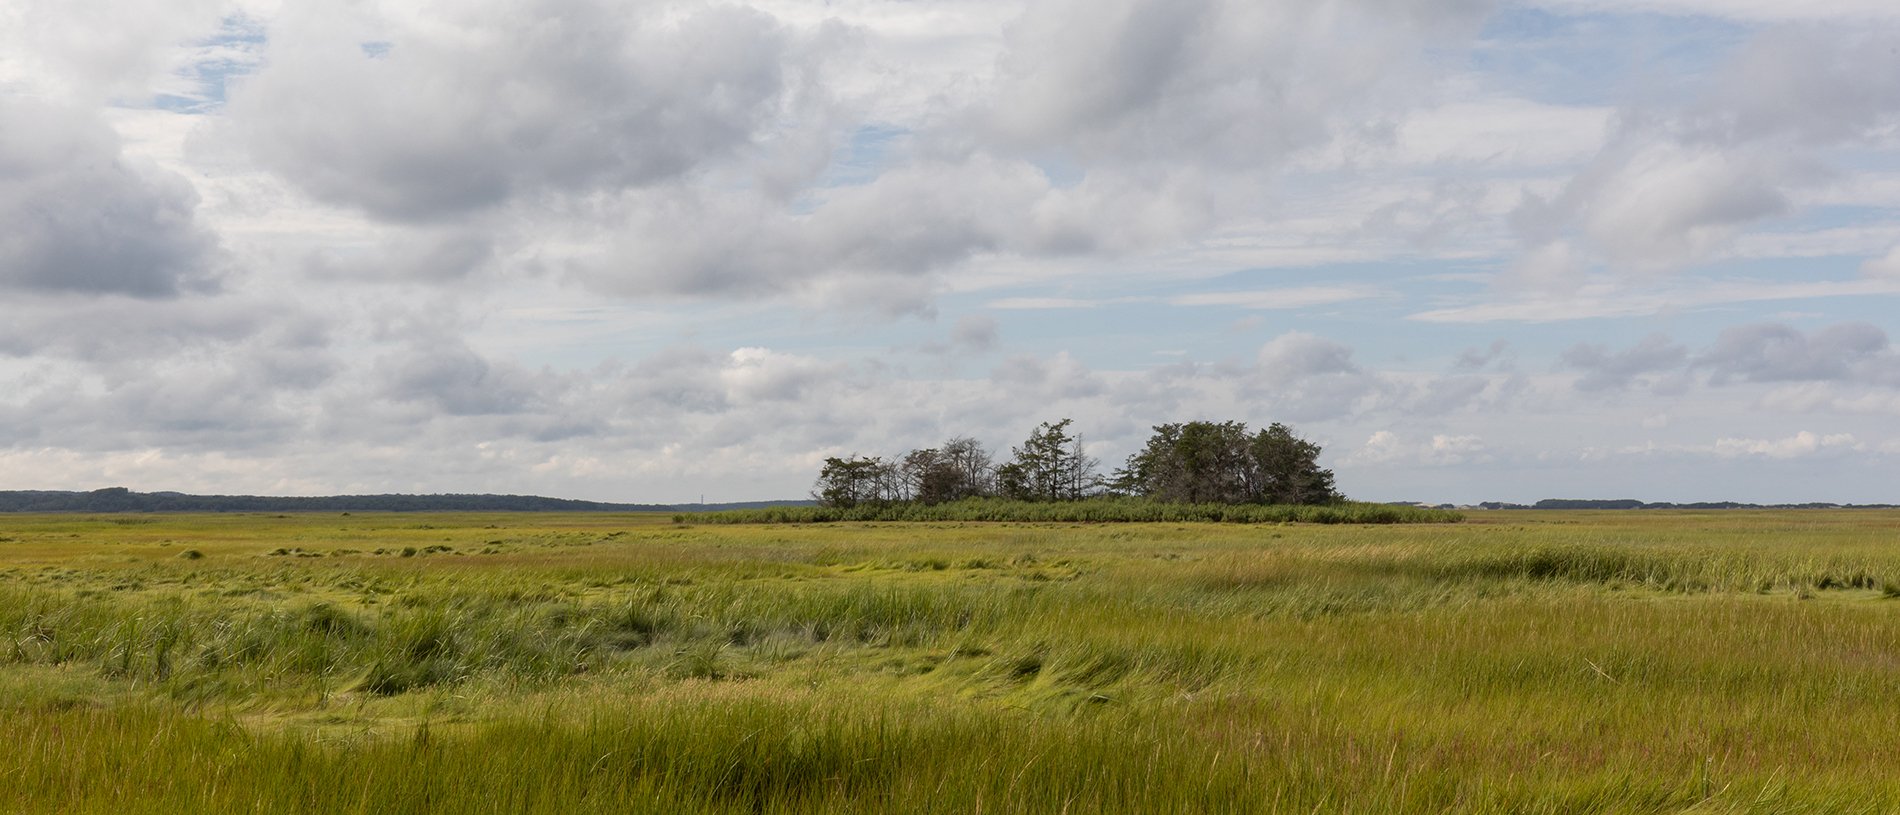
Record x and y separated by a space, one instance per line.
124 329
974 332
1449 394
1773 352
1158 105
78 218
1222 83
1604 369
1766 352
448 376
1818 84
489 104
1473 359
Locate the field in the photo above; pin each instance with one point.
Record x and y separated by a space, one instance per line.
1516 662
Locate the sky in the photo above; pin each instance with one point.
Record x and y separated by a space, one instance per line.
652 251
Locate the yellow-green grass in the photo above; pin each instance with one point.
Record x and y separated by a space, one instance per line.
1516 662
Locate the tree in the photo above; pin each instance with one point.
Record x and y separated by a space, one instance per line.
1219 462
1289 468
975 476
852 480
1051 465
1194 462
928 476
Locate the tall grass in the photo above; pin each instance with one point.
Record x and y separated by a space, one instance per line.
1523 662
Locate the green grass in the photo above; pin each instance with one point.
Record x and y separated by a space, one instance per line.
1094 510
1517 662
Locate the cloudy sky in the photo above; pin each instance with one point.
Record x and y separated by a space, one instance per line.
650 251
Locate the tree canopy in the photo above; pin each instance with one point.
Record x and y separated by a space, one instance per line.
1184 462
1220 462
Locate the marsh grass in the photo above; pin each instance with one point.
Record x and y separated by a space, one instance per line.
1518 662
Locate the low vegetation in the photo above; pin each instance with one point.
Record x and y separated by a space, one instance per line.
1094 510
1518 662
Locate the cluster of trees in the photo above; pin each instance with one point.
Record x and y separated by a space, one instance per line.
1221 463
1187 462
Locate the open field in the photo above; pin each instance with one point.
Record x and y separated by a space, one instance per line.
1516 662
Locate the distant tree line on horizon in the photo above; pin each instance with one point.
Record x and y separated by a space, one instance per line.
121 499
1198 462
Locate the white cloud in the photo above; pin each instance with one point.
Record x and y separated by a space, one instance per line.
1799 445
1386 447
1288 298
1887 267
1606 299
1748 10
1677 182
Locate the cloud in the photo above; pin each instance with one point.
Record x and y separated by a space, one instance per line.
1473 359
59 327
753 375
1760 11
1287 298
1799 445
1386 447
1604 369
1297 355
1883 267
1303 377
1677 181
63 48
1773 352
78 218
1806 84
1826 397
976 333
1045 381
1608 299
452 378
1213 83
1454 393
469 107
1765 352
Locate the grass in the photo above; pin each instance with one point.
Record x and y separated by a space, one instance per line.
1517 662
1094 510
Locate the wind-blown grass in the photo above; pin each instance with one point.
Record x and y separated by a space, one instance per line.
1520 662
1095 510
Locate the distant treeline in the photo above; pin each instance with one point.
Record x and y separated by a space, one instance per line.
1199 462
120 499
1631 503
1100 509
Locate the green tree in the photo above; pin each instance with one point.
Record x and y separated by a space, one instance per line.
1194 462
1051 465
1219 462
852 480
1289 468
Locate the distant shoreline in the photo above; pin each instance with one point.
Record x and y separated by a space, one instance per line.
119 499
1631 503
